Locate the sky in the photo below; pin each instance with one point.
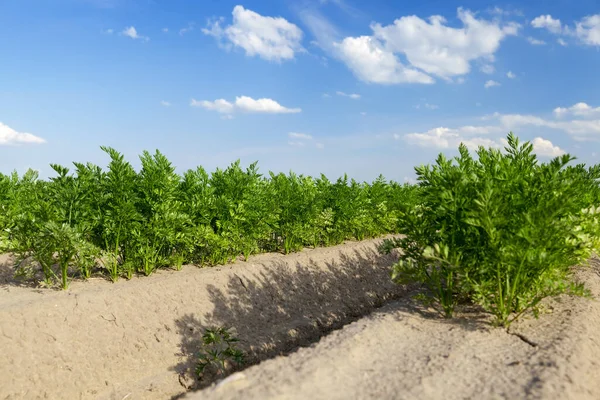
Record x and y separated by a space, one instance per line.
312 86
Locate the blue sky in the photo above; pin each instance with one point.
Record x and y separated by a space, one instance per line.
312 86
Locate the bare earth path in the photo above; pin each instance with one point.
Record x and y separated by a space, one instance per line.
399 352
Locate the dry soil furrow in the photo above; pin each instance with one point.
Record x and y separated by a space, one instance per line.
400 352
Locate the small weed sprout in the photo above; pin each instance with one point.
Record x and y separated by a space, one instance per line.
219 352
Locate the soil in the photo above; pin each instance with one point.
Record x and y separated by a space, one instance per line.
405 352
138 339
322 324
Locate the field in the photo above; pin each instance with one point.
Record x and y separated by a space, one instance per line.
483 272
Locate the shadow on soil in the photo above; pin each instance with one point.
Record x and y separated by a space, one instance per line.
292 306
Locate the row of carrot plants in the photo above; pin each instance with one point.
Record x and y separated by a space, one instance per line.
118 222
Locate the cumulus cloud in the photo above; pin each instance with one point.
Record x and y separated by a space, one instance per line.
412 49
430 47
547 22
587 30
580 121
444 138
490 83
353 96
249 104
370 62
133 33
510 75
271 38
165 103
580 110
545 148
220 105
9 136
447 138
245 104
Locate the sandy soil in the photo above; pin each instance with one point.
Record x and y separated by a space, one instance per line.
404 352
136 339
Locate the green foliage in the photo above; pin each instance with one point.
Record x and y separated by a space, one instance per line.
119 222
502 230
219 352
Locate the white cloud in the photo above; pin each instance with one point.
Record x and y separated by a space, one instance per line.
320 146
220 105
547 22
491 83
249 104
368 60
132 33
580 110
429 47
545 148
271 38
588 30
578 129
326 95
296 135
9 136
535 42
165 30
245 104
441 50
187 29
487 69
447 138
511 75
296 143
353 96
165 103
583 124
108 31
444 138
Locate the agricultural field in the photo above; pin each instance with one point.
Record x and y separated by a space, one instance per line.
487 265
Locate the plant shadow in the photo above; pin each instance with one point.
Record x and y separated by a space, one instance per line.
282 305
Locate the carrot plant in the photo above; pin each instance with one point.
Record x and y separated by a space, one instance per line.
501 230
160 235
120 217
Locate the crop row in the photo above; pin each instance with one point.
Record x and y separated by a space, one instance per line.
120 222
